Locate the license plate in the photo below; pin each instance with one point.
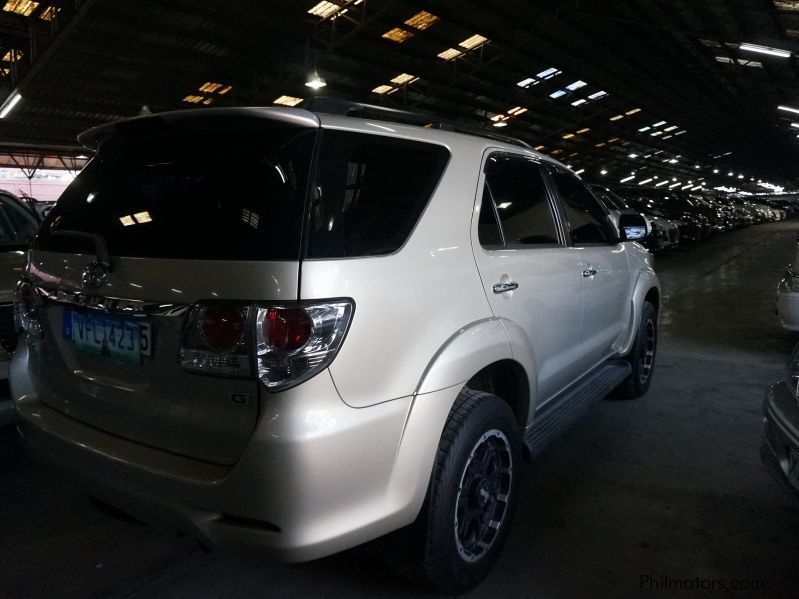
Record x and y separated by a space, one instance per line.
793 466
119 339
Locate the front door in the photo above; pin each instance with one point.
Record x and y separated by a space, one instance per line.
604 269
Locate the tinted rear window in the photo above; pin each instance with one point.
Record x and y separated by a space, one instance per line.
370 191
226 189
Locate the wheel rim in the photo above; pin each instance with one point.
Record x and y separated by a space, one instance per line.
483 495
646 359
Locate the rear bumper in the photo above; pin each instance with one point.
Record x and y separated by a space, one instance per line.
781 437
317 477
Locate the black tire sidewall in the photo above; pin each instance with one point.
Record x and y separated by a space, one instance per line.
648 312
446 569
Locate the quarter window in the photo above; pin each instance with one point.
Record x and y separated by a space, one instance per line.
370 193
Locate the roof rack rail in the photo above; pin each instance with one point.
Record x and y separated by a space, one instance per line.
362 110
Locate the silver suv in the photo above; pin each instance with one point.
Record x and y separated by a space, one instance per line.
300 332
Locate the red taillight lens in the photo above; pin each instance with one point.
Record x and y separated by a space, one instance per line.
222 327
287 329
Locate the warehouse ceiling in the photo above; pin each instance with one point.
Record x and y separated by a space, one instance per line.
631 88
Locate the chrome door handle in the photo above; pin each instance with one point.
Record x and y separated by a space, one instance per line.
503 287
590 272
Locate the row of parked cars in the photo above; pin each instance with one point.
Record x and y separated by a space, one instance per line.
680 216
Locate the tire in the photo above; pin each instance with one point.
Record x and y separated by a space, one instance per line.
641 356
472 494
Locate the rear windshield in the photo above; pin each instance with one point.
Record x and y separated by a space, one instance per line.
223 189
370 192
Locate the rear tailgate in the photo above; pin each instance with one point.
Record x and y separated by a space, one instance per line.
189 212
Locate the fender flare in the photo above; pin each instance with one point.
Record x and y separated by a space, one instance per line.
465 353
645 281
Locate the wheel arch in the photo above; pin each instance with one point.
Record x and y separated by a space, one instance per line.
646 289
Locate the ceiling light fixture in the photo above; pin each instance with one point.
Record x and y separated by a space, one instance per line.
788 109
765 50
630 178
9 104
315 81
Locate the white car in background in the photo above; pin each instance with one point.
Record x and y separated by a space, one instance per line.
18 225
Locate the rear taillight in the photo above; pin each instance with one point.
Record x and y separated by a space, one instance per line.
26 317
292 342
215 340
295 342
287 329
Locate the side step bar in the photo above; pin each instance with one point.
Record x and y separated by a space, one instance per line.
558 414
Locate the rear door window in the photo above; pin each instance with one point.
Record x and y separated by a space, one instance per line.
370 192
517 190
225 189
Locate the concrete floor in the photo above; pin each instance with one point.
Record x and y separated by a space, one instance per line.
669 485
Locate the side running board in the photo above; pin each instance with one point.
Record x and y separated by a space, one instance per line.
559 413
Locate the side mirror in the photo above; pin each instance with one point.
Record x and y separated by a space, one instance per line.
632 227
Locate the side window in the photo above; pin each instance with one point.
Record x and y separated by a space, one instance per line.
370 192
17 224
587 220
517 188
488 227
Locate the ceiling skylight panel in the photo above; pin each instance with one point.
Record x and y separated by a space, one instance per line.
449 54
404 78
20 7
422 20
397 35
473 42
549 73
287 100
324 9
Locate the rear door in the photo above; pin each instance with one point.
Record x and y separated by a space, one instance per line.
603 265
530 276
201 209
